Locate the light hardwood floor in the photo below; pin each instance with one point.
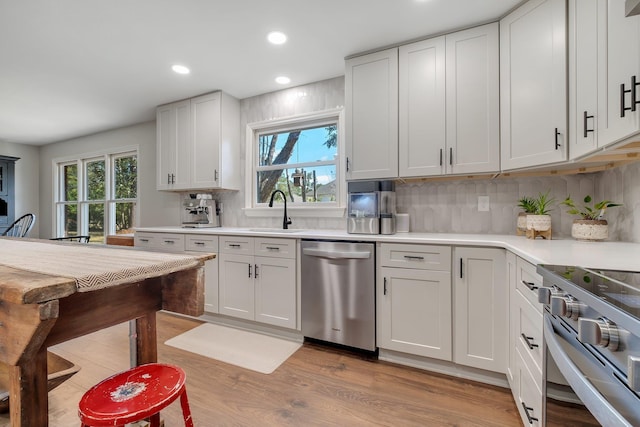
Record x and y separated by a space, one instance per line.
317 386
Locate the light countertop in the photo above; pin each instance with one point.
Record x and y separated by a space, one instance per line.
605 255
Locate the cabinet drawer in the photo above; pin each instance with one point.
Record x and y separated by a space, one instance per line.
277 248
528 325
528 281
168 242
236 245
202 243
528 394
422 257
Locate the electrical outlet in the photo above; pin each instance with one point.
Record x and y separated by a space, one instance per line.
483 203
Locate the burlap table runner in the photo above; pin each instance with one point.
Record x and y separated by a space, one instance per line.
93 267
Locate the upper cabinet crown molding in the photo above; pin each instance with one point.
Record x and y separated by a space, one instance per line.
198 143
533 85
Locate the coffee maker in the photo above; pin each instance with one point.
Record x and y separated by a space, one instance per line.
371 207
200 211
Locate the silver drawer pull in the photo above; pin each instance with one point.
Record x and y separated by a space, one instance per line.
144 240
414 257
199 243
233 245
273 248
169 241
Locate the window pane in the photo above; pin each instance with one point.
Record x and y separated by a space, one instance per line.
70 220
95 180
69 183
306 185
126 177
96 223
124 217
299 146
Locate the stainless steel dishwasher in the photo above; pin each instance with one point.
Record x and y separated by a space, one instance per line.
338 292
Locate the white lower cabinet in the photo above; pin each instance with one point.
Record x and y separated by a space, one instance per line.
258 279
480 300
176 242
415 312
525 339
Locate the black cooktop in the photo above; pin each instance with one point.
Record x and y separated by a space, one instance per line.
618 288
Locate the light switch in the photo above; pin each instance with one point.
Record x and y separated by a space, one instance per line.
483 203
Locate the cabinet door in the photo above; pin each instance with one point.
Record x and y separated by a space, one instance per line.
473 101
275 291
414 312
583 76
422 109
533 92
205 128
173 140
619 46
371 101
236 286
481 310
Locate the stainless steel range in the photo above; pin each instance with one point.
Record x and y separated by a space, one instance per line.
592 341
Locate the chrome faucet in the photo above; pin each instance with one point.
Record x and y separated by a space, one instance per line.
286 220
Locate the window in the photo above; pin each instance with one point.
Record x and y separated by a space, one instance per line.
299 156
97 195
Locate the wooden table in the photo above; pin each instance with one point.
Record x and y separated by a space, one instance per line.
38 310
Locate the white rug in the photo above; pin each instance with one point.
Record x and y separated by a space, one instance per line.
248 350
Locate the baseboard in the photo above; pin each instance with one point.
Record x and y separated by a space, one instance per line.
444 367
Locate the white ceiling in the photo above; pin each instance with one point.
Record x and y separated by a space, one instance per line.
74 67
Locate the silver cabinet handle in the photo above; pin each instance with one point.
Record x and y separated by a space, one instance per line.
234 245
529 342
249 265
169 242
255 271
273 248
144 240
199 243
532 286
412 257
336 254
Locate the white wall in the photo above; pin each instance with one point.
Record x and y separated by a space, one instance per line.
27 172
156 207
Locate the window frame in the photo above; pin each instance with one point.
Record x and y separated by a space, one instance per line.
324 209
109 202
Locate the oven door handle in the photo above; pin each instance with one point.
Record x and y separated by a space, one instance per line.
590 396
336 254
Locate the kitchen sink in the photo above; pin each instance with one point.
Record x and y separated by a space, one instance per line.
276 230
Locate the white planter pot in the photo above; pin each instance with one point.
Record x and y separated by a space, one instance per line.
538 222
521 224
590 230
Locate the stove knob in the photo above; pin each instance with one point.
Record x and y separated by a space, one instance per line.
601 332
566 306
633 373
545 294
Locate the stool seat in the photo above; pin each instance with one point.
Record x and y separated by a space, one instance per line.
134 395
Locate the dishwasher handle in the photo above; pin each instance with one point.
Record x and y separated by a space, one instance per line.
336 254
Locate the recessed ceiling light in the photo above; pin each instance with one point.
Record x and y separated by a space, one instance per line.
180 69
276 37
283 80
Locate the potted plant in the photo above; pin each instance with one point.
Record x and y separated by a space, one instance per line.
539 221
527 204
591 226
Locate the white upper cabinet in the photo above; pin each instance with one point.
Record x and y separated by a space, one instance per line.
173 133
422 108
533 88
198 143
371 100
604 59
426 108
449 104
473 101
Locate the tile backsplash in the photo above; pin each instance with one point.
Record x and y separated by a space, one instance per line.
449 206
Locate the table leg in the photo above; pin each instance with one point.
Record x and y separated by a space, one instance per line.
146 342
29 404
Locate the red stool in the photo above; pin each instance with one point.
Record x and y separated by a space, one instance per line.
133 395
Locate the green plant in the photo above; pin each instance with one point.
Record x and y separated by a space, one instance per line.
528 204
542 204
586 211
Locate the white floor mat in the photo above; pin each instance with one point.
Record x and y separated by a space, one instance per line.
248 350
